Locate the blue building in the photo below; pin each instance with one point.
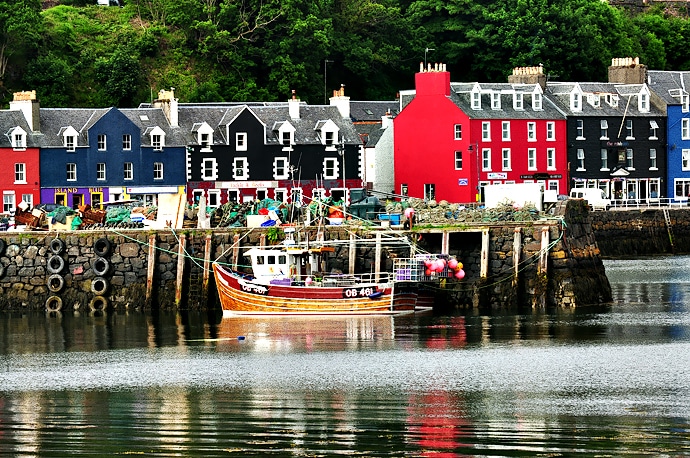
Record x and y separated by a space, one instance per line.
672 89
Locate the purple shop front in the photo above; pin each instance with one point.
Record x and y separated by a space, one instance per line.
74 197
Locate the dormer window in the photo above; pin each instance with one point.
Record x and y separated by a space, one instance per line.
685 102
69 138
495 100
204 135
476 100
518 101
286 139
575 101
157 136
285 133
643 102
612 100
536 101
328 132
18 138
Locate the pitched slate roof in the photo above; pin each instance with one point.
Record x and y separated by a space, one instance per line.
147 118
559 93
669 85
9 119
372 110
461 95
53 120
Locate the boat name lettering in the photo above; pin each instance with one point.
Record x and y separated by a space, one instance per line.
256 289
358 292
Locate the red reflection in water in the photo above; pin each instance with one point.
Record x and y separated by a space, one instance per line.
448 335
436 424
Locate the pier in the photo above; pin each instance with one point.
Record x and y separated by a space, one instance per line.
550 262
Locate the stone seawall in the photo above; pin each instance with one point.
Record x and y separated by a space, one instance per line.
550 262
642 232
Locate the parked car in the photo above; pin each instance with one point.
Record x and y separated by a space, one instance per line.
595 197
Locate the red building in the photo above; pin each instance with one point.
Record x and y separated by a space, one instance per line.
453 139
19 148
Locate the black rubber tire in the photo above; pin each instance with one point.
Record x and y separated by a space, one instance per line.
57 246
3 244
99 286
54 304
55 283
101 247
55 264
2 270
100 266
98 304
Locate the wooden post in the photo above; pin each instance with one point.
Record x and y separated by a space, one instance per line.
151 269
180 269
207 266
235 251
544 252
377 258
445 242
484 269
352 254
517 250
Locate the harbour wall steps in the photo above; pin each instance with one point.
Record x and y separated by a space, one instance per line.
545 263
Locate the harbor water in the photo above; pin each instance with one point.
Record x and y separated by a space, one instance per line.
607 380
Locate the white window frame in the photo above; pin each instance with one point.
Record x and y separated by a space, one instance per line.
604 156
653 159
476 100
100 171
486 159
213 194
629 159
643 102
18 137
158 169
550 131
128 171
29 199
458 131
102 141
575 101
581 166
531 131
331 168
20 173
685 128
71 171
495 100
458 160
685 160
280 194
209 169
240 141
630 134
8 202
126 142
486 131
71 142
234 195
580 126
551 158
157 137
531 159
240 169
505 130
537 101
281 163
506 160
685 102
603 129
518 101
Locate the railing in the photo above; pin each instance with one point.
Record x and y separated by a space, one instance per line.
642 204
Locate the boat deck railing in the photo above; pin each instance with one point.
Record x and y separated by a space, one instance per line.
333 279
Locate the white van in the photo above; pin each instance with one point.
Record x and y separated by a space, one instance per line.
595 197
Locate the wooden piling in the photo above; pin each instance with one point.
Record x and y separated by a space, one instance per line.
352 254
484 268
180 269
377 257
517 250
150 269
207 267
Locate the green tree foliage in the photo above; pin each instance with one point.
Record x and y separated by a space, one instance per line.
20 30
242 50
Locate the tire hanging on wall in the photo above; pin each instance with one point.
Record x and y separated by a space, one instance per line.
101 247
98 304
2 270
99 286
2 245
55 264
56 283
54 304
57 246
100 266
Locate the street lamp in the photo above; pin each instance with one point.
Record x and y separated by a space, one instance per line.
325 62
476 148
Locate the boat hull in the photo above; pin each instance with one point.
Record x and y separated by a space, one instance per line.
240 296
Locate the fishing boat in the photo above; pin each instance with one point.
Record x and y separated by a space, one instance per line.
285 279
